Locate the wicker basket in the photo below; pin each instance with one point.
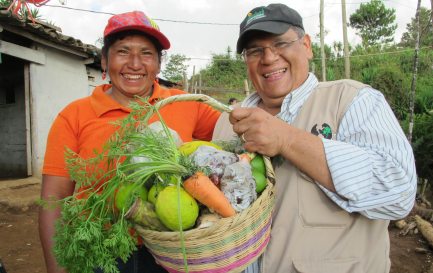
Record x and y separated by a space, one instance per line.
229 245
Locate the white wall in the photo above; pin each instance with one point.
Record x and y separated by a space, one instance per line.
61 80
95 79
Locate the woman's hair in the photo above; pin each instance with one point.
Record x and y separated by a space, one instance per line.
232 100
111 39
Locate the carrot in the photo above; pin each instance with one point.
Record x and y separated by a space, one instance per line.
246 157
204 190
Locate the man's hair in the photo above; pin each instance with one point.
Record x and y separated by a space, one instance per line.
111 39
299 31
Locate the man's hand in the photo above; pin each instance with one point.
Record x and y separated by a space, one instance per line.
262 132
269 135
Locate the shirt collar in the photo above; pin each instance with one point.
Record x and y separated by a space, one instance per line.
292 102
158 93
296 98
103 103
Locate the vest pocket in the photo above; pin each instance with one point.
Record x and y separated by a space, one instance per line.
349 265
316 209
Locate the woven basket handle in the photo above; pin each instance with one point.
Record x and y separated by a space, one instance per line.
194 97
217 106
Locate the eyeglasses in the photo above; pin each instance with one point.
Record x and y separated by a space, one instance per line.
256 53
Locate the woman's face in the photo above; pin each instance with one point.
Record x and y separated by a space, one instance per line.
132 64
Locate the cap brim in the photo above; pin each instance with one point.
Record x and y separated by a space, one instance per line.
165 43
269 27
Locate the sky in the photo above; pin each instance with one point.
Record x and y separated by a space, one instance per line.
200 28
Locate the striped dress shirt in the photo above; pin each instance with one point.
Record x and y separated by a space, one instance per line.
370 161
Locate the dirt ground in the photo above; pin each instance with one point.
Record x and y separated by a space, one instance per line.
20 249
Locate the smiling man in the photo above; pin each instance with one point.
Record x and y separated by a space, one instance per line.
345 165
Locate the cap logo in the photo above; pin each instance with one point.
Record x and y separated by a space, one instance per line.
254 15
152 23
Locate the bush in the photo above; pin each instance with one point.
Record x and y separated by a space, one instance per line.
390 81
422 143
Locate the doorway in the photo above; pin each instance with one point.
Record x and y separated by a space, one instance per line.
14 117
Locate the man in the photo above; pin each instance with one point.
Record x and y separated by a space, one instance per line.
345 169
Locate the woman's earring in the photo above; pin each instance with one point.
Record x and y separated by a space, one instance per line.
104 75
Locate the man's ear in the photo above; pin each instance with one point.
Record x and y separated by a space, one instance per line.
307 44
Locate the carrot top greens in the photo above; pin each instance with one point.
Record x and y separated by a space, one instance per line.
91 233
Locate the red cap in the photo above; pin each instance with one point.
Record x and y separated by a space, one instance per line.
136 20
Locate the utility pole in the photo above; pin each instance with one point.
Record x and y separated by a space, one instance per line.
322 41
346 43
415 72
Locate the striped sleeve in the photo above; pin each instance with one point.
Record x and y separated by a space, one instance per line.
371 162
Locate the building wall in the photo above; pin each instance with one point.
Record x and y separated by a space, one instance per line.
61 80
94 79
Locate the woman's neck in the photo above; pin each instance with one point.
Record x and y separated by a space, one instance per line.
121 98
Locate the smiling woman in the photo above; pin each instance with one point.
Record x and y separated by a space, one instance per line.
132 62
131 57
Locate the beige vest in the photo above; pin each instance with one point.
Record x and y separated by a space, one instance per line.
310 233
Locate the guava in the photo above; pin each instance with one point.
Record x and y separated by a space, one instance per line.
153 193
258 164
261 182
167 208
127 193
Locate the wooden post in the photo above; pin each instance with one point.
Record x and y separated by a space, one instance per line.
199 83
414 74
322 42
346 43
247 88
185 82
192 80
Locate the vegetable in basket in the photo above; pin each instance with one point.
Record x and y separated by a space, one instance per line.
190 147
205 191
258 169
128 192
168 209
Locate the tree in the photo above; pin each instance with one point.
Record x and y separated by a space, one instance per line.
225 71
422 143
374 23
426 35
175 68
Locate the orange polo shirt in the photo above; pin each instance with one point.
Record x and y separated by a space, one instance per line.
84 126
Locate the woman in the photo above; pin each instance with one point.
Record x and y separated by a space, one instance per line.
131 57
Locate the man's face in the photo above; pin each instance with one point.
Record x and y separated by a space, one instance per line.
278 71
